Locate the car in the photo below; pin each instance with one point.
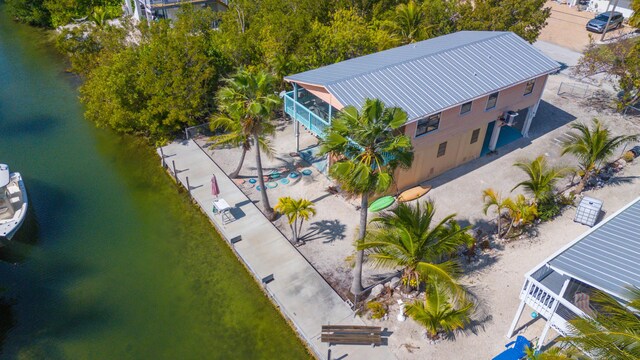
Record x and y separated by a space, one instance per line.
599 23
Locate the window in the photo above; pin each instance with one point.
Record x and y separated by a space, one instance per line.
465 108
491 103
442 148
474 136
528 89
428 124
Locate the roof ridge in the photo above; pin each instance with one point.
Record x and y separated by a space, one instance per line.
499 34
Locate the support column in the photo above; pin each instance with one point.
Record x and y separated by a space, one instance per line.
532 111
493 142
512 328
296 129
548 324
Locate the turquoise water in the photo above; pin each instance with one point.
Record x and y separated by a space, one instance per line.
113 262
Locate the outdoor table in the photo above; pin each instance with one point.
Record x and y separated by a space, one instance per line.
224 209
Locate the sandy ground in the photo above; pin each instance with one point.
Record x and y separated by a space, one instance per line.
495 276
566 27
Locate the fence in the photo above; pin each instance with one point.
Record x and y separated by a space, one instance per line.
581 91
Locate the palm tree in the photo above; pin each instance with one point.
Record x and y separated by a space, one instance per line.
542 178
592 146
438 313
234 134
407 237
250 96
613 333
521 212
555 353
368 146
297 211
492 198
408 20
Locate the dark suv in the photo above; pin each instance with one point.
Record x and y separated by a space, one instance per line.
598 23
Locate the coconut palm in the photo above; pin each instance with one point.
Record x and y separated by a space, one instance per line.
542 178
613 333
250 97
555 353
367 146
407 237
438 314
492 198
296 211
408 21
235 135
521 212
593 146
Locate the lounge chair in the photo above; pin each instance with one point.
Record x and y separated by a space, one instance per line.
515 349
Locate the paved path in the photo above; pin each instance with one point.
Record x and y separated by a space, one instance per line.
302 295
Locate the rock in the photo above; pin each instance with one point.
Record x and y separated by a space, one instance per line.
377 290
394 282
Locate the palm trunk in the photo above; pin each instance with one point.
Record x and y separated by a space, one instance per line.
356 285
582 183
268 211
299 231
235 172
294 229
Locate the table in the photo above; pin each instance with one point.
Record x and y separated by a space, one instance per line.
223 208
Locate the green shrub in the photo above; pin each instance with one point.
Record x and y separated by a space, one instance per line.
628 156
378 310
548 209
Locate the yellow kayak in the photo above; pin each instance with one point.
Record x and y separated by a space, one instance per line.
413 193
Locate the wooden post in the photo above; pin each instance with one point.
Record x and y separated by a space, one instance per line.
606 27
162 162
175 173
188 186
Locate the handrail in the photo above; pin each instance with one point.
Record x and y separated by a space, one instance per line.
306 117
555 296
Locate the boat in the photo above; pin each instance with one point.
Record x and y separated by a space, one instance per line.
13 202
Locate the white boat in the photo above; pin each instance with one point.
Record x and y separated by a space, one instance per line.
13 202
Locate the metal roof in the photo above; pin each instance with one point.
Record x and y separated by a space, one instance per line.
608 257
435 74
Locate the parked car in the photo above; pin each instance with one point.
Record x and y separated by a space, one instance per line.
598 23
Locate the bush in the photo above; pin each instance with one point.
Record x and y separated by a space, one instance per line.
628 156
548 209
378 310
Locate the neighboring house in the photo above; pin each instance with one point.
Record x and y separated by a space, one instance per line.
167 9
459 90
600 6
606 258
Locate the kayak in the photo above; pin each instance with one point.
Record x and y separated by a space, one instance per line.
382 203
413 193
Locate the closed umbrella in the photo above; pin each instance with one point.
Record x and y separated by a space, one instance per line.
215 190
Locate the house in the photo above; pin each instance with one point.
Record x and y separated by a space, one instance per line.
606 258
623 6
466 94
167 9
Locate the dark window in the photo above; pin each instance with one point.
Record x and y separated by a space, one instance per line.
493 99
528 89
465 108
474 136
428 124
442 148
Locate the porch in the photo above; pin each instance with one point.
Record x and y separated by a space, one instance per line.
308 110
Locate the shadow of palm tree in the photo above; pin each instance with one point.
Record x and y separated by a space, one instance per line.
328 230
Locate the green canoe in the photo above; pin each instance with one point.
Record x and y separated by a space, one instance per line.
382 203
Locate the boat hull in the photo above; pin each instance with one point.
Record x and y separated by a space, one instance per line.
8 228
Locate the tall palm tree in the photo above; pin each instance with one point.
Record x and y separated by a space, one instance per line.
542 178
250 96
492 198
592 146
614 331
296 211
234 134
368 147
438 313
408 18
407 237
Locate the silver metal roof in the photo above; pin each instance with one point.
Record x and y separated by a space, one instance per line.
607 257
435 74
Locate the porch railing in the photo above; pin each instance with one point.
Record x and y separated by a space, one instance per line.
304 116
542 300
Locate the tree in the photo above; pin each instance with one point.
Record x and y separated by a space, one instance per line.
521 212
492 198
235 135
592 146
296 211
32 12
407 237
613 333
634 20
250 96
408 18
542 178
438 314
555 353
367 146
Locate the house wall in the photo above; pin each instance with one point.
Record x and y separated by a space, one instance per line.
457 130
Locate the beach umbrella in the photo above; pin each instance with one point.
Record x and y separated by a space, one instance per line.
215 190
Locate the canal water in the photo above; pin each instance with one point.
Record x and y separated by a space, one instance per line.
112 262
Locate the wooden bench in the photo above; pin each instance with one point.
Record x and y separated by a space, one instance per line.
351 334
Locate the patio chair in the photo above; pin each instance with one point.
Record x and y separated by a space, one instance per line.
515 349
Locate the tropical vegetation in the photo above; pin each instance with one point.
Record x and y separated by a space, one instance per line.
519 210
542 178
297 212
367 147
409 238
593 146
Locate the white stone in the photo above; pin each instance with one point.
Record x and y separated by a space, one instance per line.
377 290
394 282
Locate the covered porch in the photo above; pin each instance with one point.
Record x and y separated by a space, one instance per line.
308 110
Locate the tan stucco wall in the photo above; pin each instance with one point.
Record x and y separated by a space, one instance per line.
456 130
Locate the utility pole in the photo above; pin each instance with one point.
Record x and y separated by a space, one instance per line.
606 27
